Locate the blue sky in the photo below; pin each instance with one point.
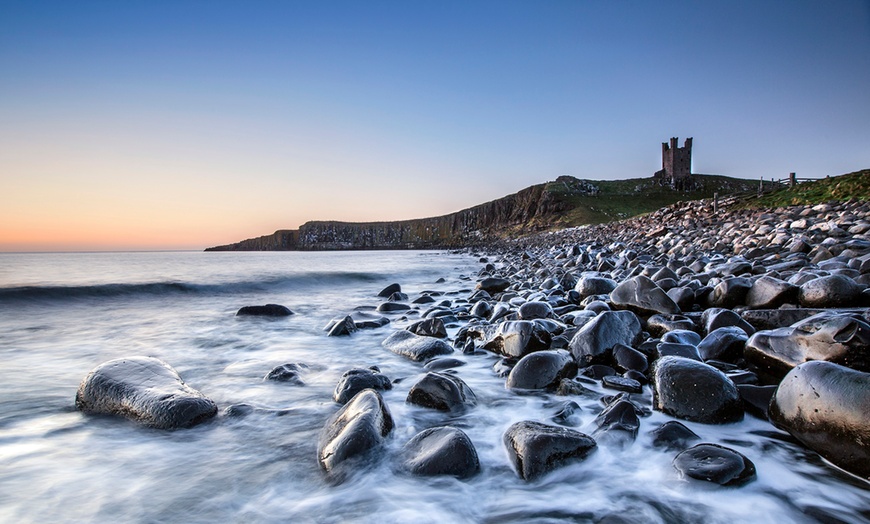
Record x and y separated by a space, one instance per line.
185 124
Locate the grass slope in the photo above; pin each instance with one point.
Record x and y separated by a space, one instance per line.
832 189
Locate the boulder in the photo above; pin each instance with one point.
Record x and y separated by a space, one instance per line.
535 448
644 296
430 327
416 347
673 435
714 318
716 464
389 290
830 291
618 383
517 338
730 292
341 327
269 310
694 391
392 307
146 390
535 309
287 373
839 338
355 380
542 370
724 344
357 428
826 407
441 391
594 342
441 451
493 285
768 292
618 423
594 285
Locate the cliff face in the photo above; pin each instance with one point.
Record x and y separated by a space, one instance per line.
531 207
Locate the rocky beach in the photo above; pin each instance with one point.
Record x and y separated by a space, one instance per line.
727 347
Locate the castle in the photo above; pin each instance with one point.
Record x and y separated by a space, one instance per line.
676 163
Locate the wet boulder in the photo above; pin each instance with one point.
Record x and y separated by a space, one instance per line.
694 391
441 391
830 291
535 309
715 317
416 347
145 390
493 285
535 448
430 327
355 380
268 310
730 292
617 424
724 344
338 327
356 429
618 383
389 290
542 370
367 320
441 451
838 338
673 435
768 292
481 309
588 286
627 358
756 399
644 296
392 307
826 407
716 464
594 342
517 338
287 373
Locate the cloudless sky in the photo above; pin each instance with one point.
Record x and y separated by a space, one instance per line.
185 124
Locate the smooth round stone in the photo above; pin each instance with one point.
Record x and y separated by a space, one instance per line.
589 285
341 327
389 290
441 451
443 363
493 285
694 391
714 318
355 380
535 449
268 310
826 407
669 349
517 338
287 373
725 344
441 391
682 336
627 358
535 309
481 309
716 464
594 342
644 296
830 291
392 307
430 327
416 347
620 416
673 435
730 292
768 292
622 384
542 370
145 390
357 428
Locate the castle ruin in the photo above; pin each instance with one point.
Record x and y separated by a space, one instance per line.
676 164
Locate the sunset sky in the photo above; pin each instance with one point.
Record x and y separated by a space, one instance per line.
185 124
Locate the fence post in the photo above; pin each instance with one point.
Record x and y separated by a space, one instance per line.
760 185
792 179
715 203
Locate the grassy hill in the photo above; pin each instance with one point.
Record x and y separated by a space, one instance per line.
839 188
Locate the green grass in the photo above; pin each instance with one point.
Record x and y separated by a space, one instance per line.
832 189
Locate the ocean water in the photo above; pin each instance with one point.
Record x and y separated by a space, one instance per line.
61 315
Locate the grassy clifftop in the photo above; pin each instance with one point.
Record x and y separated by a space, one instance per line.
837 189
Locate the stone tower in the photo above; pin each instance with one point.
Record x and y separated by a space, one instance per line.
676 163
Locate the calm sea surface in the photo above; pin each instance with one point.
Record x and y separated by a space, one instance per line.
61 315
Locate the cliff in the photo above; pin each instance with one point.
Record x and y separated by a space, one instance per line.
567 201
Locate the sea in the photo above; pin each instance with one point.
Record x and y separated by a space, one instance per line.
63 314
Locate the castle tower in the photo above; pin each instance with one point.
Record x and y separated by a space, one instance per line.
676 161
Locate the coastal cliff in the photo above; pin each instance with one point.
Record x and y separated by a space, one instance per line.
565 202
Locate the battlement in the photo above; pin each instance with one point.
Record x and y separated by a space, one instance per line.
676 162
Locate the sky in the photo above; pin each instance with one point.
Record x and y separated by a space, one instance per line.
186 124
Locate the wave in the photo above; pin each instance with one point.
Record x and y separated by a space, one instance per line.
111 290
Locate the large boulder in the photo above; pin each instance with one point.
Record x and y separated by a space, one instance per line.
535 309
725 344
441 391
594 342
268 310
355 380
357 428
535 448
644 296
517 338
416 347
694 391
542 370
730 292
430 327
146 390
768 292
839 338
441 451
493 285
827 407
830 291
589 285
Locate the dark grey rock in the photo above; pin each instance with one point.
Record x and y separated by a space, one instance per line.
443 363
268 310
756 399
287 373
622 384
356 429
725 344
535 449
658 325
594 342
673 435
642 295
341 327
618 423
830 291
481 309
768 292
517 338
716 464
694 391
355 380
730 292
594 285
416 347
672 349
392 307
542 370
838 338
441 391
389 290
441 451
826 406
146 390
535 309
430 327
627 358
715 318
493 285
682 336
